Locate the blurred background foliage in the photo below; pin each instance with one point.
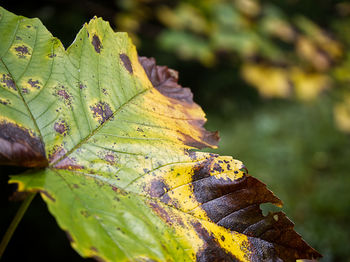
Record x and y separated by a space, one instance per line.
273 77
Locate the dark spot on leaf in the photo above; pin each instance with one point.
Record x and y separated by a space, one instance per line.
47 195
104 91
63 93
28 26
8 81
110 158
96 43
19 147
5 102
34 83
52 55
85 213
212 251
94 249
158 188
102 111
22 51
61 127
126 62
25 90
18 38
81 86
139 129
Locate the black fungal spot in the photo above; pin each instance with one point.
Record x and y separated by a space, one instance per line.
25 90
18 38
8 81
28 26
22 51
34 84
102 111
61 127
96 43
127 63
81 86
212 251
52 55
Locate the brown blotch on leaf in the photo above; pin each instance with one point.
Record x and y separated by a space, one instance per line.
235 205
211 251
126 62
158 188
22 51
19 147
96 42
8 81
61 127
102 111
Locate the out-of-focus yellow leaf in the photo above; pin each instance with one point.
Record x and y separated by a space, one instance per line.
309 85
270 81
248 7
307 50
184 16
342 114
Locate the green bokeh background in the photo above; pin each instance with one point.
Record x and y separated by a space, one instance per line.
292 146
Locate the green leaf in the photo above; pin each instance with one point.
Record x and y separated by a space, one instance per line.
110 137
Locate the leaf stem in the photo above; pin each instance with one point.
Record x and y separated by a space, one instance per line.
18 217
